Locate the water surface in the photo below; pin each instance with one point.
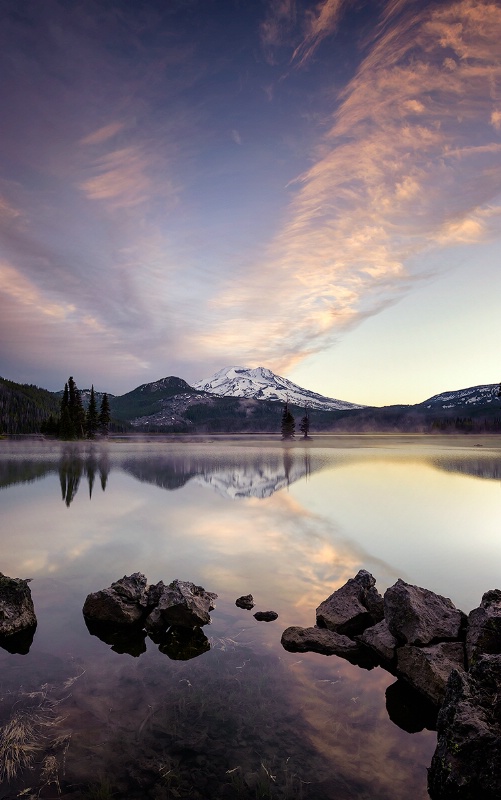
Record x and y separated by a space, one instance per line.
288 524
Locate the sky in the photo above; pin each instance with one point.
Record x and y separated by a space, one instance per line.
312 187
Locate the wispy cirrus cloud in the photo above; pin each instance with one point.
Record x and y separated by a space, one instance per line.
290 25
410 163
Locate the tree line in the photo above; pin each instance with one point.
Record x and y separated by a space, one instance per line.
73 421
288 426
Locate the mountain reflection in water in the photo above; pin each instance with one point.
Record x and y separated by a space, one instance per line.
226 712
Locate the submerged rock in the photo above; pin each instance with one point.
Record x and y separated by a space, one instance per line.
354 607
17 612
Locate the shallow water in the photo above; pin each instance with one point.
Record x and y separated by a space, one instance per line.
289 524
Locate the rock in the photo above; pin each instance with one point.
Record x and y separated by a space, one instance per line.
109 606
428 668
266 616
181 603
354 607
318 640
483 634
421 617
381 641
16 606
132 589
467 761
246 601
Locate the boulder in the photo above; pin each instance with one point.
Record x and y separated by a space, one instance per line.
427 669
354 607
381 641
17 612
122 603
420 617
246 601
483 634
181 603
467 761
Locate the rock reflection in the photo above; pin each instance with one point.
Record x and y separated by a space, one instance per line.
410 710
19 643
122 638
178 643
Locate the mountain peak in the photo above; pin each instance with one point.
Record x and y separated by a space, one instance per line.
261 383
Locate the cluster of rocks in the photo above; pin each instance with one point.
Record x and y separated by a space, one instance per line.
247 602
452 660
171 615
18 621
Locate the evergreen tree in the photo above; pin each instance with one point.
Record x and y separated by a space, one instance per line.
104 415
304 426
76 409
288 424
66 427
92 417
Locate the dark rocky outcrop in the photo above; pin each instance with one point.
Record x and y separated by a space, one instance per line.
180 603
17 612
125 602
445 663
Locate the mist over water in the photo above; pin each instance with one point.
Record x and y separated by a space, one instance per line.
227 712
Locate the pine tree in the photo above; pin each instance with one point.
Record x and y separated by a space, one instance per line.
92 418
76 409
104 415
304 426
288 424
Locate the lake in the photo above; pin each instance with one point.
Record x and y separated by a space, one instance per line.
228 713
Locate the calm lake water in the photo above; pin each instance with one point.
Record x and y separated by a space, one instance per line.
242 718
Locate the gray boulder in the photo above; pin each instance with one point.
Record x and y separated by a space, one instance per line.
319 640
381 641
427 669
246 601
354 607
483 634
110 606
467 761
181 603
421 617
17 612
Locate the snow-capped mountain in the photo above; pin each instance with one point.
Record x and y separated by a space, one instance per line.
263 384
474 396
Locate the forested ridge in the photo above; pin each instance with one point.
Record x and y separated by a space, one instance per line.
24 407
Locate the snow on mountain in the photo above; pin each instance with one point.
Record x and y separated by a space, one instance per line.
475 395
263 384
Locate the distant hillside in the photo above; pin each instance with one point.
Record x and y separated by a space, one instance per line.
170 405
23 407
